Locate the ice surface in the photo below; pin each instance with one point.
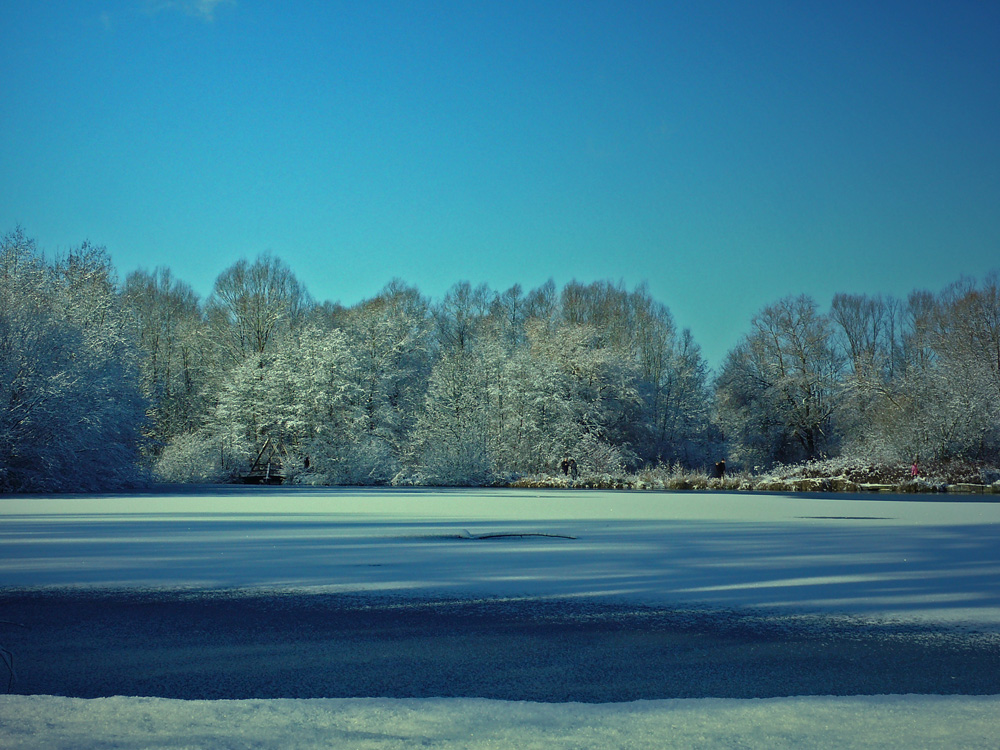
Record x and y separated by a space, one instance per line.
935 561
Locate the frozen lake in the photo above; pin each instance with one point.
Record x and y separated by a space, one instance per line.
480 618
932 560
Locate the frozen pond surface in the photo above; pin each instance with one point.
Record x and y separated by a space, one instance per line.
422 617
930 560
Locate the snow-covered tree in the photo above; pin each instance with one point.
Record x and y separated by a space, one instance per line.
254 310
453 426
253 304
170 332
71 410
779 389
868 335
965 366
943 399
315 408
390 340
678 408
584 389
460 315
671 420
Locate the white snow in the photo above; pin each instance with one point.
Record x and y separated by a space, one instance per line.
929 560
51 723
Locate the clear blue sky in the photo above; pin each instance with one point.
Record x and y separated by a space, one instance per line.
729 153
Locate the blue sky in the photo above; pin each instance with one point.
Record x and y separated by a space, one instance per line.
727 153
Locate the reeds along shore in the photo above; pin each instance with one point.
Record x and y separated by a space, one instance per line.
832 475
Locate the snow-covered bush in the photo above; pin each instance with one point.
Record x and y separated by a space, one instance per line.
368 462
550 481
598 457
199 457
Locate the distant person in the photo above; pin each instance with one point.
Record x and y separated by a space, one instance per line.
572 468
720 469
914 470
565 465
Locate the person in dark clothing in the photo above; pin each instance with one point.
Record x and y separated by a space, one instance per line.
720 469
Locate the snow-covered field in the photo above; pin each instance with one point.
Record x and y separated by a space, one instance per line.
931 562
871 722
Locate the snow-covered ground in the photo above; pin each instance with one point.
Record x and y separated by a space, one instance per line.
908 722
932 561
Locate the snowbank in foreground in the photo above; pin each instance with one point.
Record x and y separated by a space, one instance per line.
864 722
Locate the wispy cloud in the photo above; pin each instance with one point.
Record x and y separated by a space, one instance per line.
203 9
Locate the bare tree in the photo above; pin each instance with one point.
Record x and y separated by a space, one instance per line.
170 330
252 304
460 315
779 389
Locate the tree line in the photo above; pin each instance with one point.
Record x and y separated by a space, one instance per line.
104 382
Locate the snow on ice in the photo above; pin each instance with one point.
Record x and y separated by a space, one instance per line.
929 560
